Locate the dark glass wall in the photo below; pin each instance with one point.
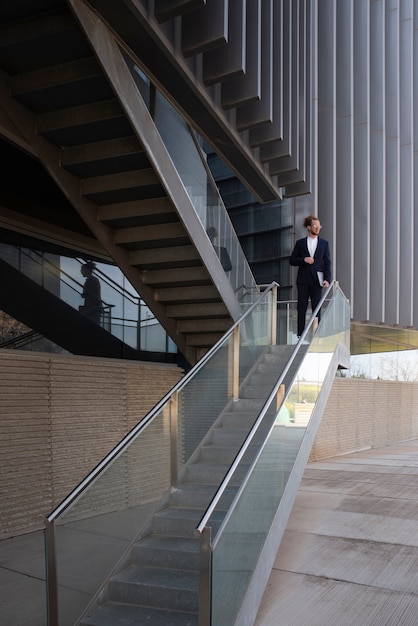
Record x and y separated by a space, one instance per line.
265 230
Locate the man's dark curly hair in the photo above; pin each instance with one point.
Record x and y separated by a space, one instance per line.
308 220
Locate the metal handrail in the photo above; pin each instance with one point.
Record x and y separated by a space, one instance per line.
125 442
76 286
24 339
220 491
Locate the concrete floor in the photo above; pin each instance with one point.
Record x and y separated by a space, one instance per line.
349 555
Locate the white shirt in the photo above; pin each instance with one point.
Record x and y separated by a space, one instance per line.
312 244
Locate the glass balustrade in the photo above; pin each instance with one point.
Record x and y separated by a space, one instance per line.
190 162
91 530
237 544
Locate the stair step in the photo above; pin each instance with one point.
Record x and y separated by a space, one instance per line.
247 405
190 495
218 454
117 614
167 551
179 522
224 454
239 419
228 436
266 378
212 474
158 587
256 391
233 436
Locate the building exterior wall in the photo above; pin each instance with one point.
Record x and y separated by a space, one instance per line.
59 416
366 153
363 414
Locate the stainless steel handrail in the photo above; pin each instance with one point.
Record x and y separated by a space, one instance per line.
123 444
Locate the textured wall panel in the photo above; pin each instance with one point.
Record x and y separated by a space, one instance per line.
59 416
366 414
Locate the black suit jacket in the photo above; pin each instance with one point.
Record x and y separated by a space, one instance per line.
322 260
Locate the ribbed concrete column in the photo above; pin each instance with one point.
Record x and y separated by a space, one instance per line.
414 55
377 159
406 110
344 215
367 152
361 158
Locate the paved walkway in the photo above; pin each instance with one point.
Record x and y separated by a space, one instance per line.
349 556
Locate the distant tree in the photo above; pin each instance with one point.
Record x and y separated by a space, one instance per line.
10 328
400 366
357 369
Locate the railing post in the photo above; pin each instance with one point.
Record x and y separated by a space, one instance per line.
287 322
234 364
273 313
174 425
205 566
51 575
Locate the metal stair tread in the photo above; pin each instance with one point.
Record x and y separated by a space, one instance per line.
180 513
214 473
166 578
208 489
121 614
169 542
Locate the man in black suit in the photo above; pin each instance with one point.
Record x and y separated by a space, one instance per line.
312 255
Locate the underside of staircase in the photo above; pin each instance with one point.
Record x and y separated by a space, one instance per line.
74 105
157 581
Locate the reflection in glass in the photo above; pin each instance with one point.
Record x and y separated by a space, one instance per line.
381 353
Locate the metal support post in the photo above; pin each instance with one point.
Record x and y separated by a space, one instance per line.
51 575
174 424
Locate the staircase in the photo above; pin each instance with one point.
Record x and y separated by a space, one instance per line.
56 320
67 93
158 580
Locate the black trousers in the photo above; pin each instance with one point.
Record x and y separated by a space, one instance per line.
311 291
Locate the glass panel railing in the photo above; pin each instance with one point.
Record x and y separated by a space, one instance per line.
237 544
90 531
95 531
123 313
190 163
287 317
204 195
